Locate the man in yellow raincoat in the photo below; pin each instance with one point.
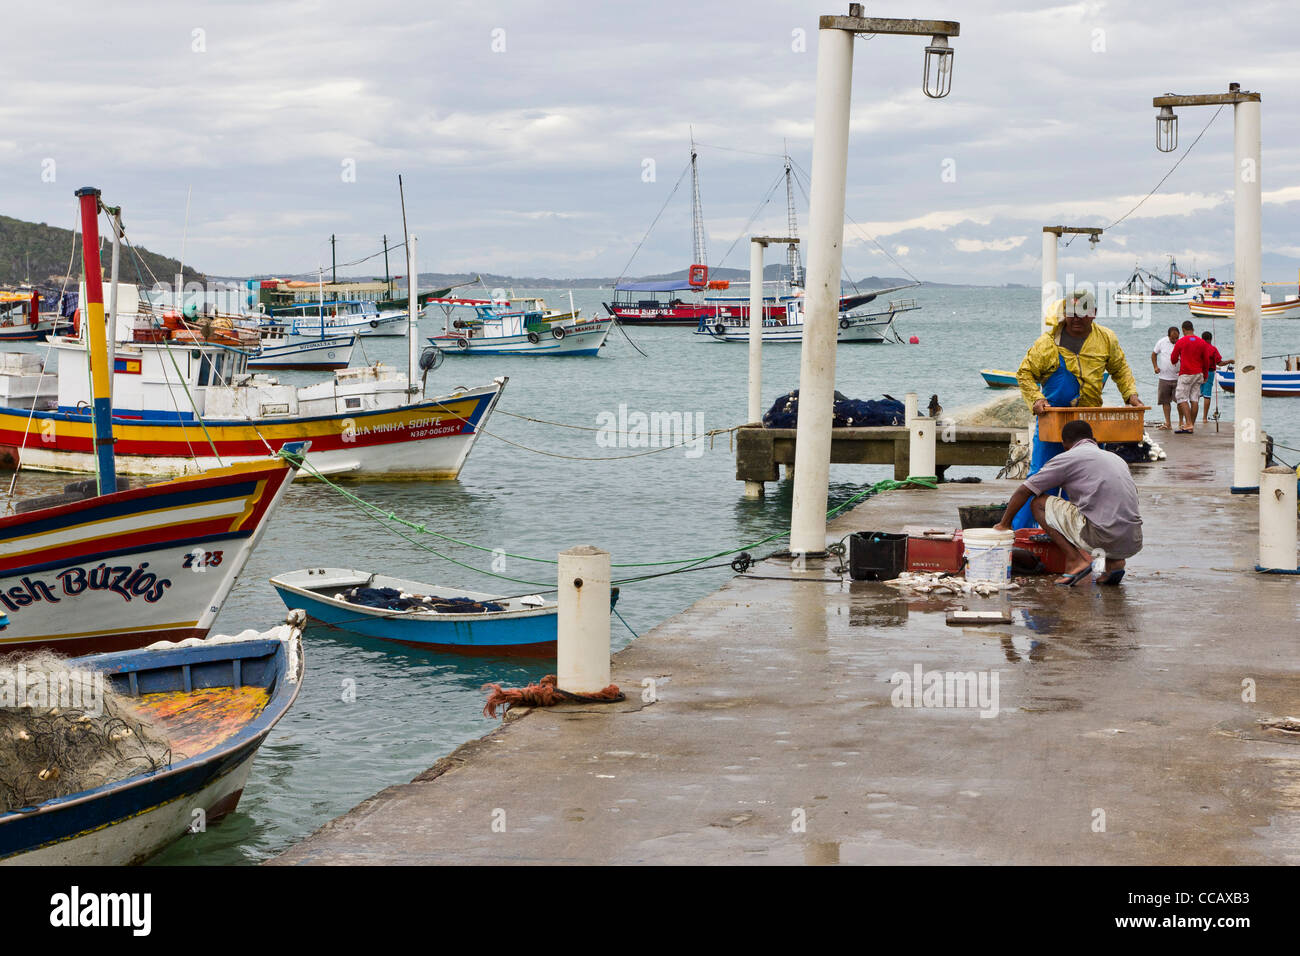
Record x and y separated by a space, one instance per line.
1067 366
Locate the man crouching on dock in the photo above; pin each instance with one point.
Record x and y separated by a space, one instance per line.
1101 515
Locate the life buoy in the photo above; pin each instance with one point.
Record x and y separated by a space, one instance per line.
845 323
720 329
558 331
534 337
462 344
374 323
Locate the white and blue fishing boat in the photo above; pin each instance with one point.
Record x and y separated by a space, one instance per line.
491 327
282 348
857 325
425 616
1285 384
213 702
341 317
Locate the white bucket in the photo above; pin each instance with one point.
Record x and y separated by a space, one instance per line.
988 554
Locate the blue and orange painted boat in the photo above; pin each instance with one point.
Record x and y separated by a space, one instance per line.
215 701
425 616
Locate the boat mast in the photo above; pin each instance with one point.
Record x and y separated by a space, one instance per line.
102 407
793 262
697 211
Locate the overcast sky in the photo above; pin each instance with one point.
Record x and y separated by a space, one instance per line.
523 130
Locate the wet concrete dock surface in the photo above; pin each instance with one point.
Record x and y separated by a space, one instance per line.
1121 734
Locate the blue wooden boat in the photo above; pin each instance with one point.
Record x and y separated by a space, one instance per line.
216 701
1272 384
458 621
997 378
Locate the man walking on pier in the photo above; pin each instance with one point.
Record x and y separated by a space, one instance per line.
1166 372
1101 516
1193 355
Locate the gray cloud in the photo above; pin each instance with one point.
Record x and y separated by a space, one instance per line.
529 160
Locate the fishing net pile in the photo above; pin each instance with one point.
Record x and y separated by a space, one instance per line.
1008 411
63 731
391 599
849 412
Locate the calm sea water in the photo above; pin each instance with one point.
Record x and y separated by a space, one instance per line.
410 708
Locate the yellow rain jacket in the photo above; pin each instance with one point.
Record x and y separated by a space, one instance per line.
1100 354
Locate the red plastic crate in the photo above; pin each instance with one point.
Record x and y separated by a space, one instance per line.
934 549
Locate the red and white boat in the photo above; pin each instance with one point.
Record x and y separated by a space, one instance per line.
1222 308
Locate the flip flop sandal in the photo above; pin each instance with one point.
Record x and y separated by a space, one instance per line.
1070 580
1112 579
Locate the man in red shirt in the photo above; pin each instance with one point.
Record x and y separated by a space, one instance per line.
1214 362
1192 355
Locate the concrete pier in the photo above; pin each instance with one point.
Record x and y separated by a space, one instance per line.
1126 728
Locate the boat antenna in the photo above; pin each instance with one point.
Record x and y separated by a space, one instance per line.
793 262
697 211
412 295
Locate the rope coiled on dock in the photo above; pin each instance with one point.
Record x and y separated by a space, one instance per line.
545 693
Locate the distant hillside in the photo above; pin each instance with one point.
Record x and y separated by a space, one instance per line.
494 280
35 252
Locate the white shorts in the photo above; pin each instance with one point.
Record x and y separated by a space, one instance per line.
1064 517
1188 390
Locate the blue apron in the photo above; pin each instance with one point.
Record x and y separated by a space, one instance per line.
1061 391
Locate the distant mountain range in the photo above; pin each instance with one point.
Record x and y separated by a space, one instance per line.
36 253
494 280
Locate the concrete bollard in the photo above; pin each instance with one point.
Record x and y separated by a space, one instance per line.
921 448
909 407
582 652
1277 519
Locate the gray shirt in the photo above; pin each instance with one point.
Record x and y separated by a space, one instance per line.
1099 484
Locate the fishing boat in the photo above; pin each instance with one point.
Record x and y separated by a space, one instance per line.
1222 308
998 378
859 325
1283 384
427 616
338 317
493 328
106 566
685 301
21 319
1176 289
214 702
185 401
281 348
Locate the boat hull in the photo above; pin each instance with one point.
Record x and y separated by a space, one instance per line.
585 339
858 330
310 354
996 378
426 440
1223 309
133 567
1272 384
128 821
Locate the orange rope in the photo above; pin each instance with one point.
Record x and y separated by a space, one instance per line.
544 693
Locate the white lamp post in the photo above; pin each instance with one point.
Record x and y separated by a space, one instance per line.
1248 424
825 249
1052 289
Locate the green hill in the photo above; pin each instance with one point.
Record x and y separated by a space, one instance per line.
37 253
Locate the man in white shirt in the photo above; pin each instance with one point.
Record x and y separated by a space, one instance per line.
1166 371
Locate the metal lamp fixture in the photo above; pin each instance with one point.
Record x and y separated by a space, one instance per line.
1166 130
938 57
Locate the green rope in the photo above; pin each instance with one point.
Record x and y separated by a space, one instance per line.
383 515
